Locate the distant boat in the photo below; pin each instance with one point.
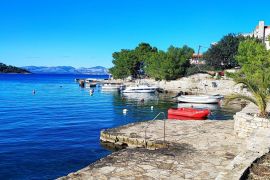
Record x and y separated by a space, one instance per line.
90 82
201 99
112 87
90 85
188 112
140 89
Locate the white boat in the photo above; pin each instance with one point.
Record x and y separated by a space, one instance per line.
140 89
198 106
89 82
112 87
201 99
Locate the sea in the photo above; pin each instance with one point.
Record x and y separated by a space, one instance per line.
55 131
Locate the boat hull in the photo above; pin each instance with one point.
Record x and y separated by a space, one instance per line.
140 91
189 112
200 99
183 118
211 107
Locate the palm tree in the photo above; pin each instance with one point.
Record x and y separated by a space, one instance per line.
259 88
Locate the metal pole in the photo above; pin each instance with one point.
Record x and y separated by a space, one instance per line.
198 58
164 131
145 137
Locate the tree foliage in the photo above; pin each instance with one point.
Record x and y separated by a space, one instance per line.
131 62
222 55
254 59
255 73
11 69
171 64
147 60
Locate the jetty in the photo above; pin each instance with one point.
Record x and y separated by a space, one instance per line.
191 149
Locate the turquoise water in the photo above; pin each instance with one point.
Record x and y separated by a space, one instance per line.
56 131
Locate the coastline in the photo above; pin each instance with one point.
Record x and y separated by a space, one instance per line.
16 73
220 153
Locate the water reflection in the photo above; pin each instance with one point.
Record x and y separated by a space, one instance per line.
140 97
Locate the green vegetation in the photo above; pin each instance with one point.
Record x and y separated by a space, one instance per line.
169 65
222 55
130 62
255 74
11 69
149 61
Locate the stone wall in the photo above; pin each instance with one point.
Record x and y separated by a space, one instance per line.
246 122
255 134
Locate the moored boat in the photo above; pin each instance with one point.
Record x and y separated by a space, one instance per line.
188 112
90 85
91 82
141 89
211 107
201 99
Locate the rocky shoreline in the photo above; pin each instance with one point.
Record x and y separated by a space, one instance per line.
195 84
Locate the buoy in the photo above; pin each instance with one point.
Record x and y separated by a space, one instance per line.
125 111
91 92
152 108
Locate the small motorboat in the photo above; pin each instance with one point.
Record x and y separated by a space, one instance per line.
91 82
201 99
140 89
188 112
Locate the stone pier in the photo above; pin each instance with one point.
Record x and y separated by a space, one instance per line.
191 150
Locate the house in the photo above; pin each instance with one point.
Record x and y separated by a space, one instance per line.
261 32
197 59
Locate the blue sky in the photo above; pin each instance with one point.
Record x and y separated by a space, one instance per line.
86 32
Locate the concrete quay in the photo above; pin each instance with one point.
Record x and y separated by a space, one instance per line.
192 149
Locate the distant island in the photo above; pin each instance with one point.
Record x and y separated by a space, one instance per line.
12 69
98 70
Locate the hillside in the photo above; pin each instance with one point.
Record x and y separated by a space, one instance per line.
11 69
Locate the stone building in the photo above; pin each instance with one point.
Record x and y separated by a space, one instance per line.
261 32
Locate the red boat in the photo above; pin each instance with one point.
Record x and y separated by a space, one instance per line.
188 113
